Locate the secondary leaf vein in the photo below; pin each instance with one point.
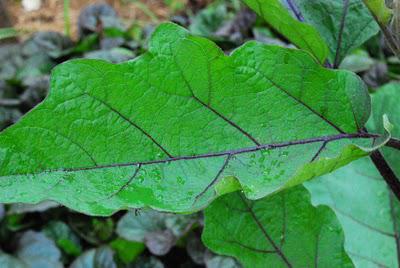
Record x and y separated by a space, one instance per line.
266 235
257 70
131 123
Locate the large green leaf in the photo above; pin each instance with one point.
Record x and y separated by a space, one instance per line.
343 30
366 209
301 34
282 230
181 125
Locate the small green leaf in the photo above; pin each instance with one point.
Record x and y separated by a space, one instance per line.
358 61
103 228
222 261
126 250
343 28
282 230
301 34
101 257
8 261
62 234
134 227
158 231
164 129
36 250
210 19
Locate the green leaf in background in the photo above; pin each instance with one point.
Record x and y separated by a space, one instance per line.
62 234
147 262
8 261
102 257
135 227
103 228
21 208
126 250
379 10
210 19
341 35
37 250
159 231
169 129
358 61
386 101
114 55
222 261
366 210
282 230
301 34
362 201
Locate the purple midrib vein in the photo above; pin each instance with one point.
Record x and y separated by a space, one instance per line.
232 152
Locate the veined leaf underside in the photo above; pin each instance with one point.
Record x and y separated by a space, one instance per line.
115 128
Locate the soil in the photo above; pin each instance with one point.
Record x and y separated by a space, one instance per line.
50 16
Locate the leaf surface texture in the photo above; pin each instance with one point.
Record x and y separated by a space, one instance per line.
282 230
182 124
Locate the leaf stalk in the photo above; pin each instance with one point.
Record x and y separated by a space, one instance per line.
387 172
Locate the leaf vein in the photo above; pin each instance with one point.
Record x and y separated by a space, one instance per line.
131 123
224 165
208 107
271 146
123 187
67 138
277 86
265 233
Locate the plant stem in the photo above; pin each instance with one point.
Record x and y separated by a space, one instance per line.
387 173
393 143
383 167
295 10
387 33
346 4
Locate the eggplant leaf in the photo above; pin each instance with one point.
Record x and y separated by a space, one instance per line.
282 230
361 199
301 34
182 124
343 28
366 209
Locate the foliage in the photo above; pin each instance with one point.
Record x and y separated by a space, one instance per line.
267 232
370 233
301 34
385 101
379 10
186 123
73 157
